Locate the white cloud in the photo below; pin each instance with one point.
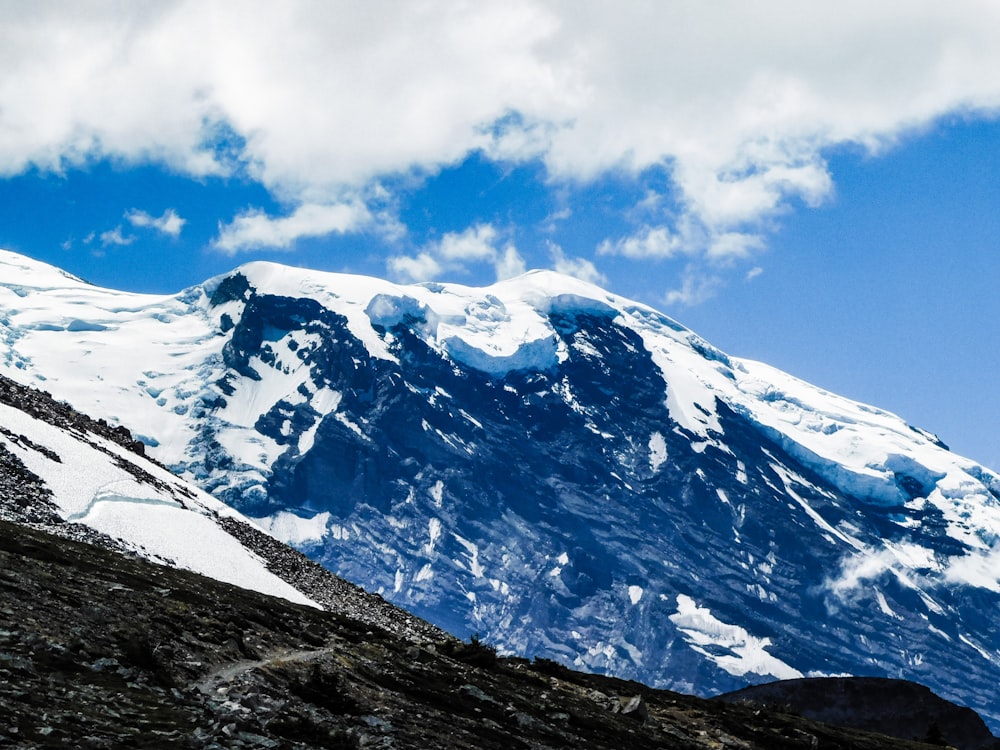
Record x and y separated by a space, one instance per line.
115 237
738 101
475 243
651 242
255 229
697 285
509 264
169 223
916 567
580 268
421 267
980 568
455 252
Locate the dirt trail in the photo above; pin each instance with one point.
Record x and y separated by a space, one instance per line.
211 683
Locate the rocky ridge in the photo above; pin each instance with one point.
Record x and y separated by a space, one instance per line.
875 704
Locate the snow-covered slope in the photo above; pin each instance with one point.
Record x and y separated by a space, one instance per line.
65 472
564 471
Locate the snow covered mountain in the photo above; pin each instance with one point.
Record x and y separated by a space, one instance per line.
567 473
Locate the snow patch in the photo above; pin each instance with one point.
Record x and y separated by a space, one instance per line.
90 487
433 533
657 451
474 565
437 493
295 530
745 654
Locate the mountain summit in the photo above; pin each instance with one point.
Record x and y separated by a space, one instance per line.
563 471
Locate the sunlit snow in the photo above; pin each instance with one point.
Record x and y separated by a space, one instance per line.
295 530
657 451
89 487
744 653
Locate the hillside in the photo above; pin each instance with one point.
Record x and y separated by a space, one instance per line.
98 649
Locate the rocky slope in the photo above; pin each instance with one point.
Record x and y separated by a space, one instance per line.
137 507
566 472
98 649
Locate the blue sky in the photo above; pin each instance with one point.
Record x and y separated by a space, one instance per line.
812 185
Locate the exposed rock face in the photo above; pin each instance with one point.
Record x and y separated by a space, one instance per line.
100 650
568 473
894 707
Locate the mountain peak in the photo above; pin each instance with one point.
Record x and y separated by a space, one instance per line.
21 270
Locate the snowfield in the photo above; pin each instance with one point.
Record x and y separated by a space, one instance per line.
170 523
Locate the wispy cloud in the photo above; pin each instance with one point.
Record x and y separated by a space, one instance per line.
580 268
509 263
169 223
917 568
697 285
455 252
115 237
419 267
255 229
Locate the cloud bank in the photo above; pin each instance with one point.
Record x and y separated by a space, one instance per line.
737 101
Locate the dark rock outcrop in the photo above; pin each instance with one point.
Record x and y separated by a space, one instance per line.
894 707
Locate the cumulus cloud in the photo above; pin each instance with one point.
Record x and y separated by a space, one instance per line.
455 252
509 264
651 242
255 229
475 243
169 223
737 101
580 268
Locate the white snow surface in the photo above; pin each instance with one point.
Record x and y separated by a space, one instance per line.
146 361
295 530
172 524
744 653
